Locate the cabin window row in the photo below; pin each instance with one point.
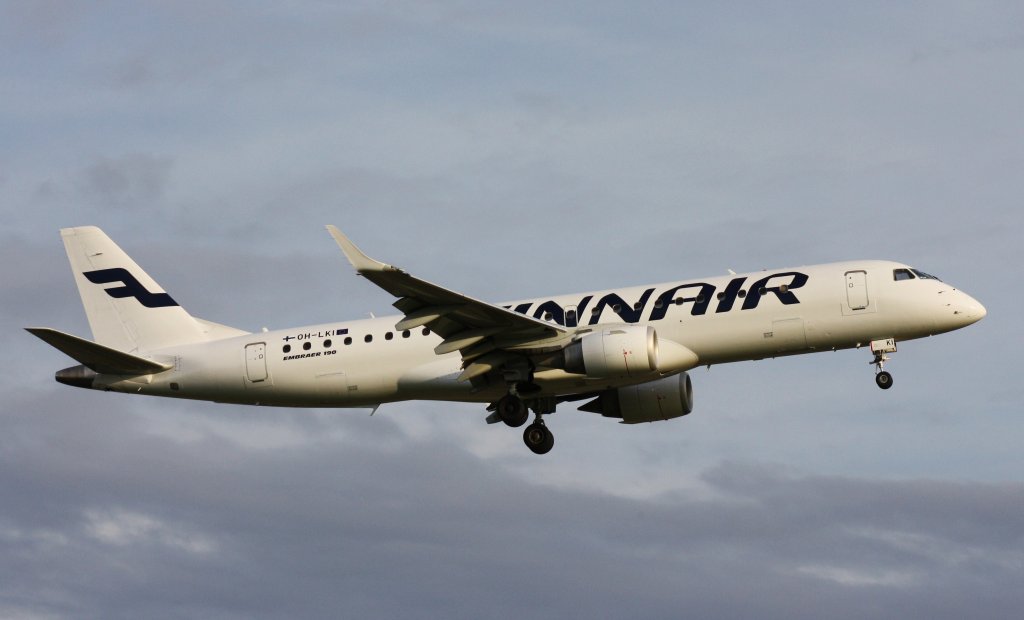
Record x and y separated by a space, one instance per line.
328 343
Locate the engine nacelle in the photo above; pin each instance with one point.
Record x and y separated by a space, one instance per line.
664 399
614 351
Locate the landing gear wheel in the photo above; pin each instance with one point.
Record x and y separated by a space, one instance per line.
884 380
512 411
538 438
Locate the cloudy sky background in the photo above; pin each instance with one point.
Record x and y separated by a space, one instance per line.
509 151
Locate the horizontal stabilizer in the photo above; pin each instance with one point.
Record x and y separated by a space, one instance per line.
102 359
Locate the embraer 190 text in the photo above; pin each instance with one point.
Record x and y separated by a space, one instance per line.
625 352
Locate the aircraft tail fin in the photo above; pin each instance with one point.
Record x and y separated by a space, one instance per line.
127 309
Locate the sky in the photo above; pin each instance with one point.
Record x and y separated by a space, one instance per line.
513 150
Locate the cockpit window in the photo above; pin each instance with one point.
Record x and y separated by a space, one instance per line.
902 274
924 276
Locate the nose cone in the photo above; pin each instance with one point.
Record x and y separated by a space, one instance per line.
976 311
979 311
969 310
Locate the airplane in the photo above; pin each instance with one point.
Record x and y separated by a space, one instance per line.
626 352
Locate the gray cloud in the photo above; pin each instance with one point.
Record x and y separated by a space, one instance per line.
117 520
135 181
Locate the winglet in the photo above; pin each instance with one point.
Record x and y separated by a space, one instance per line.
359 260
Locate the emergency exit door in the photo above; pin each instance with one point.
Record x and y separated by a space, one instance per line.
256 362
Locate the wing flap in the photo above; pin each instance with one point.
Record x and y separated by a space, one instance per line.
97 357
465 339
422 316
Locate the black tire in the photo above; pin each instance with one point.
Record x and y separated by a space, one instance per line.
884 380
512 411
538 438
548 443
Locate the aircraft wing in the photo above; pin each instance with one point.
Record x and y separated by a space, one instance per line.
483 333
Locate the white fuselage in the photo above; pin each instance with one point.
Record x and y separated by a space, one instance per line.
721 319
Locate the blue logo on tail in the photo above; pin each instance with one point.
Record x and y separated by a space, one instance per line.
131 287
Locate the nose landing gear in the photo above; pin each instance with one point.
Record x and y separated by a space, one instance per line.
880 347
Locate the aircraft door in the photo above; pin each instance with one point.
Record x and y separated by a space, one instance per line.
857 290
331 388
256 362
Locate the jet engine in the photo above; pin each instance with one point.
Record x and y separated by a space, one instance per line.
614 351
625 351
663 399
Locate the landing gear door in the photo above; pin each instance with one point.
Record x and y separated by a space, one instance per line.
885 345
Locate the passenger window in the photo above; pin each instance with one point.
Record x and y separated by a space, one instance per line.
327 343
368 338
902 274
287 348
388 336
405 334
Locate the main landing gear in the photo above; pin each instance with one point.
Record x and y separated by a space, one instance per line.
513 411
538 438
